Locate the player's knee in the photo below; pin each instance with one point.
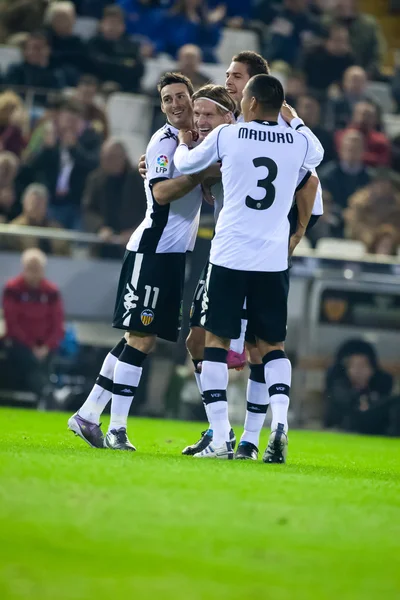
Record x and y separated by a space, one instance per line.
144 343
195 342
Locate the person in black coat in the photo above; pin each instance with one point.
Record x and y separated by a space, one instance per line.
358 391
114 56
35 70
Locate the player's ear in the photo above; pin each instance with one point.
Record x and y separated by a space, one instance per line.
229 118
253 104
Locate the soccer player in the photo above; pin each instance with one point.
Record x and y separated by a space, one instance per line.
261 161
149 296
244 66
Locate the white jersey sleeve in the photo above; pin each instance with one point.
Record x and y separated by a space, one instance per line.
196 160
160 156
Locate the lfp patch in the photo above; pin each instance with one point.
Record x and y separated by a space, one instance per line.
162 160
147 317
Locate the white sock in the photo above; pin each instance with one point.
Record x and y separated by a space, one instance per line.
257 405
214 381
101 392
238 345
278 377
127 376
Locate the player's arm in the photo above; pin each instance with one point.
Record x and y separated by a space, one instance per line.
305 198
168 190
291 117
200 158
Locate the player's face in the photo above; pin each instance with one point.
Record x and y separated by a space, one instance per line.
236 79
206 117
176 104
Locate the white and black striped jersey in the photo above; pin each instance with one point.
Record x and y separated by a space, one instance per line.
172 227
261 163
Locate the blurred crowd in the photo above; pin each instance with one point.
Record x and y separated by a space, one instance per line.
61 166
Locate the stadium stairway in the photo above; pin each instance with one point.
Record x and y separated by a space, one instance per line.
390 23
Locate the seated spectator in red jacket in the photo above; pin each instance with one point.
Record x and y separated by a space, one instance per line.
377 146
34 320
11 135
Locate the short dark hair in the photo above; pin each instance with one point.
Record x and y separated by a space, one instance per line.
88 80
170 78
217 93
267 90
113 11
255 63
36 35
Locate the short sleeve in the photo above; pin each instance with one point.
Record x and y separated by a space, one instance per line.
160 157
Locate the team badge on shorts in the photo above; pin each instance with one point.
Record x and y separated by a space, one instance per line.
162 160
147 317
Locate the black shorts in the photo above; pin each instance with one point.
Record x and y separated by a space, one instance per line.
266 297
149 297
197 314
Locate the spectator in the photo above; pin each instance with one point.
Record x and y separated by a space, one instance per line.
94 115
385 241
11 135
358 391
293 30
236 13
48 120
24 15
309 110
114 55
9 207
329 224
189 61
68 52
145 20
341 108
345 176
370 208
325 65
396 80
33 315
366 39
295 86
377 150
34 214
70 153
189 23
114 201
35 71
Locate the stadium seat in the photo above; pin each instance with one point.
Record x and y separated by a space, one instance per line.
382 94
234 41
129 113
9 55
153 69
86 27
392 125
334 247
135 144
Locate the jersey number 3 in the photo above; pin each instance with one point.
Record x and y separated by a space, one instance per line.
266 183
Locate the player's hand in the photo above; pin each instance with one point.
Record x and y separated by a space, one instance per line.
294 241
142 166
186 137
288 113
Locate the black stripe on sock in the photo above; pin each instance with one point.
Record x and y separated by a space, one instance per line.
105 382
123 389
279 388
211 396
257 408
116 351
257 373
274 355
216 355
132 356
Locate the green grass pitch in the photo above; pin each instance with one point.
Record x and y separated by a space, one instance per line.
83 524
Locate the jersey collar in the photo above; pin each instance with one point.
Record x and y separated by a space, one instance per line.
270 123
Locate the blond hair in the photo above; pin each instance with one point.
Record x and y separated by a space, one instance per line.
33 255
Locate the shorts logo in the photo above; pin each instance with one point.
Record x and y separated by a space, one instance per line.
147 317
162 160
